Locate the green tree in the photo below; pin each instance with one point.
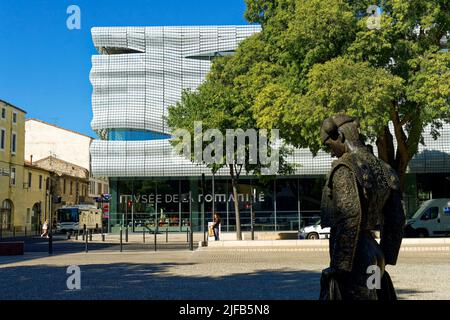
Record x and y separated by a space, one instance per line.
315 58
218 105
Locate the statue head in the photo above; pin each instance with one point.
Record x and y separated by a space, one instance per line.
340 134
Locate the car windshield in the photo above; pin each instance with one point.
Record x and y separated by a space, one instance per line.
421 209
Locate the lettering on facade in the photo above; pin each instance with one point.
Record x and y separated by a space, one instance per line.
183 198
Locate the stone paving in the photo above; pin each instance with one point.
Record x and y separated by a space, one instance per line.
222 274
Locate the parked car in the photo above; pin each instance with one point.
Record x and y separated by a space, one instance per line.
313 232
432 219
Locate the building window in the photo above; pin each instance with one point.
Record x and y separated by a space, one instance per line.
13 143
40 182
3 113
2 139
71 187
28 215
99 186
13 176
29 179
135 135
14 117
64 186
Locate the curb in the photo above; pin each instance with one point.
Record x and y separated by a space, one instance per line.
314 243
318 249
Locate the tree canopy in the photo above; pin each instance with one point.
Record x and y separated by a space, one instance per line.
315 58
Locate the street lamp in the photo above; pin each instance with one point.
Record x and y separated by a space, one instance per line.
202 207
252 213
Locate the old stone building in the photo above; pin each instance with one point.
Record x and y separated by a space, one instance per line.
69 183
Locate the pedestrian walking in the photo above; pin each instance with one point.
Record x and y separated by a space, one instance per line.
216 226
45 229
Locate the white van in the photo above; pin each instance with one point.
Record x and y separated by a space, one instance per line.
432 219
314 232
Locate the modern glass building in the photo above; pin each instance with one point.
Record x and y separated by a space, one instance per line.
137 74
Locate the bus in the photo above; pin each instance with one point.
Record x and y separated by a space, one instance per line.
68 217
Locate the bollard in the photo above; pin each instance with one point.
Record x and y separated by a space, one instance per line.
191 238
83 235
14 232
76 234
126 234
86 240
103 234
252 228
90 234
143 235
120 239
68 235
167 235
50 244
25 232
191 243
187 235
155 237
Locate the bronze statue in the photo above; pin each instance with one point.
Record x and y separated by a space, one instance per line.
362 194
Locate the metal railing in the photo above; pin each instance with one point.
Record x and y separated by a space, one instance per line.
19 232
175 222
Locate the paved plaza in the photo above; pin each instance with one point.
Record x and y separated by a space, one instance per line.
208 273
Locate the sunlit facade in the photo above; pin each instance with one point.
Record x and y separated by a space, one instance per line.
138 73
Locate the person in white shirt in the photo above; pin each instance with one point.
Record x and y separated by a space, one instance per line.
45 229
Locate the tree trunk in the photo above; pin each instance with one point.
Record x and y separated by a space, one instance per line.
406 145
397 159
401 164
234 182
385 146
402 156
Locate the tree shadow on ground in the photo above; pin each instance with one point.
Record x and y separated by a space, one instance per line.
408 294
155 281
124 281
36 248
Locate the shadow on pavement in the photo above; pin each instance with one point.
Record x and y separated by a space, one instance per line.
155 281
409 293
37 247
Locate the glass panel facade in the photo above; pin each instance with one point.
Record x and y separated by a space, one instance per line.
146 203
135 135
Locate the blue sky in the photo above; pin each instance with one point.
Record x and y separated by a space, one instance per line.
44 66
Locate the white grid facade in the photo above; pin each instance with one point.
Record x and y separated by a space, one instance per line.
133 90
147 73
